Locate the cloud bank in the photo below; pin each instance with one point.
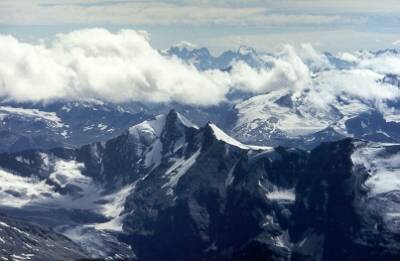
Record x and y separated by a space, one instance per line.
123 67
100 65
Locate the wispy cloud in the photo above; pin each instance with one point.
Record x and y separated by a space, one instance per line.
204 20
397 42
156 13
327 40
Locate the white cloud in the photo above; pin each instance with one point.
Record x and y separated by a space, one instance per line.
314 60
288 71
98 64
123 67
361 83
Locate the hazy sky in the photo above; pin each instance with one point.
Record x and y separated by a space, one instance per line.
332 25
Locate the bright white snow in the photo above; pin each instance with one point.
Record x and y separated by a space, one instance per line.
114 208
152 128
384 177
222 136
186 122
282 194
300 114
50 117
278 193
384 170
69 173
178 169
16 191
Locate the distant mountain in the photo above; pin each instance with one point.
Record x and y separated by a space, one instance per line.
392 51
277 118
166 189
70 124
281 117
204 60
291 119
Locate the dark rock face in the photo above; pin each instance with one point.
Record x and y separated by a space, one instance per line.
332 201
325 201
20 240
372 126
198 194
326 221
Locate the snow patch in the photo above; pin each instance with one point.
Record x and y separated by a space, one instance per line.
178 169
102 126
383 169
230 178
87 128
291 113
116 201
16 191
222 136
151 128
114 208
153 156
69 173
50 117
282 194
115 224
23 160
3 224
278 193
186 122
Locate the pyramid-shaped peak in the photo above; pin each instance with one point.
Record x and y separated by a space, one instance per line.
156 126
175 116
153 126
222 136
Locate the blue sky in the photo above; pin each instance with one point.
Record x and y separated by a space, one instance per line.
329 25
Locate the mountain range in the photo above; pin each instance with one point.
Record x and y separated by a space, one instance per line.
282 116
166 189
282 174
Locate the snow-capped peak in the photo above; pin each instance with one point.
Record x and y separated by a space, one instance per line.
246 50
152 127
156 125
185 45
222 136
185 122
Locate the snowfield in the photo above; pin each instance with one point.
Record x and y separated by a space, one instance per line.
383 183
383 168
50 117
